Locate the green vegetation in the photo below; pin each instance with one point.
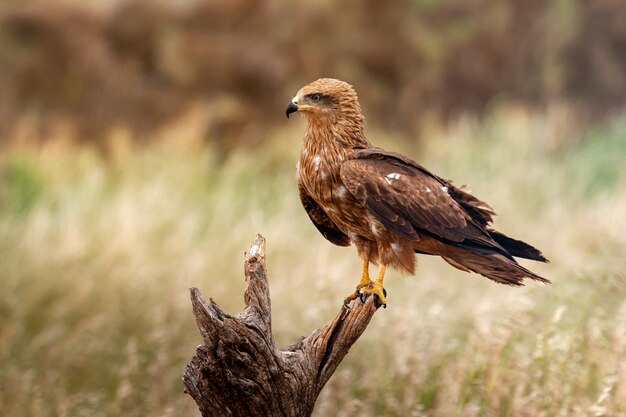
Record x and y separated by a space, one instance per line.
97 253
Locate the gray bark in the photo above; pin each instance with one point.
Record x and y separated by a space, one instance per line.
238 371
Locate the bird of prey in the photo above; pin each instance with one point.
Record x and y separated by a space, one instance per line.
387 205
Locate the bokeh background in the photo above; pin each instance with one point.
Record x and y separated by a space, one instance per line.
143 144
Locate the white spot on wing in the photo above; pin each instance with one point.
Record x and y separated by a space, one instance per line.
341 191
428 190
393 176
375 229
395 247
445 189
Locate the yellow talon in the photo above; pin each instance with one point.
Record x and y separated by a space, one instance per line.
378 291
349 298
377 288
368 287
364 283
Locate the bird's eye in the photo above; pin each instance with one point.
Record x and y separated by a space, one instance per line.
316 97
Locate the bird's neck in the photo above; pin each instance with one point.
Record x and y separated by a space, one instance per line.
338 137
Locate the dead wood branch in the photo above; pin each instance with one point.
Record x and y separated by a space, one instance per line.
238 371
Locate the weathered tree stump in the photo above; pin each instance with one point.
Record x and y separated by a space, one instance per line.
238 371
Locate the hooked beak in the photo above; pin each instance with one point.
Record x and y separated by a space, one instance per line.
291 108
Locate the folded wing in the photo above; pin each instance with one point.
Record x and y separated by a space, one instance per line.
322 222
409 200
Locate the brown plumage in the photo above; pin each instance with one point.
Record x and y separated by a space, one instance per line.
389 206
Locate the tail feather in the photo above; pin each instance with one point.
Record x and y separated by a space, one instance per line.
494 266
516 247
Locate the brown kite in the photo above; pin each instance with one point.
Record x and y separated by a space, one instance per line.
389 206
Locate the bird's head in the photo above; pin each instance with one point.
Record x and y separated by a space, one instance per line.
327 99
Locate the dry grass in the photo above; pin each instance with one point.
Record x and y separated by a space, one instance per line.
96 258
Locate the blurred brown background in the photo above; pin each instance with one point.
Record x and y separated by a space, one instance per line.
90 67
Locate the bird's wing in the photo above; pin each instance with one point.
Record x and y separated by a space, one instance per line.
480 211
324 224
408 199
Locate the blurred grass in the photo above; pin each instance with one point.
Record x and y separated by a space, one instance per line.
96 255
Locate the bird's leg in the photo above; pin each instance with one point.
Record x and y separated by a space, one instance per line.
377 288
364 283
365 276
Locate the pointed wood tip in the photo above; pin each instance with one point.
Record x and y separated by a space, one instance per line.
257 250
196 297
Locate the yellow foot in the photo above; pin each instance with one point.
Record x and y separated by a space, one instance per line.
368 287
349 298
376 289
364 283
